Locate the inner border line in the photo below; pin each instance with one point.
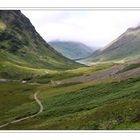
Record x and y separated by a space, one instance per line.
72 8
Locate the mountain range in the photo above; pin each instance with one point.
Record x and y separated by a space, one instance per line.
125 47
71 49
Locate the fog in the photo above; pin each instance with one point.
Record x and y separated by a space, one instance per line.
94 28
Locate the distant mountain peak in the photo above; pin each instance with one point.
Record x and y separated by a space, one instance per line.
72 49
126 46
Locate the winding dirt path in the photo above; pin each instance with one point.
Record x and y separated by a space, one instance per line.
31 116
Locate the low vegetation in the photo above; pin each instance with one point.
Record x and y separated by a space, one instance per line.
60 75
103 106
16 101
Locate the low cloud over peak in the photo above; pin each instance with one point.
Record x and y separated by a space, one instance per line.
94 28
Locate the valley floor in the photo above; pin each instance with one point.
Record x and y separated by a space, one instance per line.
94 98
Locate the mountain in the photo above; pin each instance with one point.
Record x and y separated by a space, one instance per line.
21 47
125 47
72 50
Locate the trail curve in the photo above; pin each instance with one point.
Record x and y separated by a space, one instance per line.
27 117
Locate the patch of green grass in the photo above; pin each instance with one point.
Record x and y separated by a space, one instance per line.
60 75
16 101
2 26
101 106
15 67
128 126
9 70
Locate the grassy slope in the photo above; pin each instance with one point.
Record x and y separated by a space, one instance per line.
18 89
102 106
60 75
12 71
16 100
44 75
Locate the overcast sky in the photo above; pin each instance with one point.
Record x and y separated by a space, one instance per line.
94 28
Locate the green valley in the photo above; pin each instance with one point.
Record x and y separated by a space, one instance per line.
40 89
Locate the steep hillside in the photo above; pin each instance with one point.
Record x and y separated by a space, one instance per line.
72 50
21 45
126 46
